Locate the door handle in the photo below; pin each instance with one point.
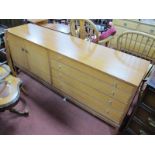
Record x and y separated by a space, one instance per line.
26 51
151 31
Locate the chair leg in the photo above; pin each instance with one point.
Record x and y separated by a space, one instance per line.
23 90
21 113
24 112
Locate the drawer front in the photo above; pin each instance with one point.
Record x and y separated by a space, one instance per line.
78 86
92 82
38 61
138 129
146 29
94 73
146 117
149 98
126 24
102 108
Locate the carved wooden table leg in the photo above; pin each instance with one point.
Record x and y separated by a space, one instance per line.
23 112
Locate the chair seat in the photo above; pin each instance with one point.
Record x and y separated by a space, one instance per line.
9 91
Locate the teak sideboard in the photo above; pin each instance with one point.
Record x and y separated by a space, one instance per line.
101 80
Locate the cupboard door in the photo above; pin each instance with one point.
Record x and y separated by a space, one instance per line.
17 50
38 61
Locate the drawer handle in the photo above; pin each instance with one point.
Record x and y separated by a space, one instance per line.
113 93
26 51
142 132
22 49
151 122
110 102
125 24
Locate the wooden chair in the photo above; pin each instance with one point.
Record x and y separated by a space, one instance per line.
86 29
10 91
137 43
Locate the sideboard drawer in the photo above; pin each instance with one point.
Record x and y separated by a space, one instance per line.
92 82
146 28
126 24
78 86
95 74
113 111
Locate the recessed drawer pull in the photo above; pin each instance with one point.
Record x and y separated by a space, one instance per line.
113 93
26 51
110 102
125 24
142 132
151 122
22 49
151 31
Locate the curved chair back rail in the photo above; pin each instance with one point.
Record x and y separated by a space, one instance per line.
137 43
84 29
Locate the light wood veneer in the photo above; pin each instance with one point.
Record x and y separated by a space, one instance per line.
100 80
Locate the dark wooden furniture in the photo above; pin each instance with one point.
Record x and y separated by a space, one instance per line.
142 120
11 22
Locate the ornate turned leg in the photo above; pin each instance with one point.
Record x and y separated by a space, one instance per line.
24 90
21 113
24 112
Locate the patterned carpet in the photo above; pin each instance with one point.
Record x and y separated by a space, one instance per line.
50 115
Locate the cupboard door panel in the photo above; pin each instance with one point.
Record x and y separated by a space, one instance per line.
17 50
38 61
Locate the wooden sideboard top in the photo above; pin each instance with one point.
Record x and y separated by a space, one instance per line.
115 63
